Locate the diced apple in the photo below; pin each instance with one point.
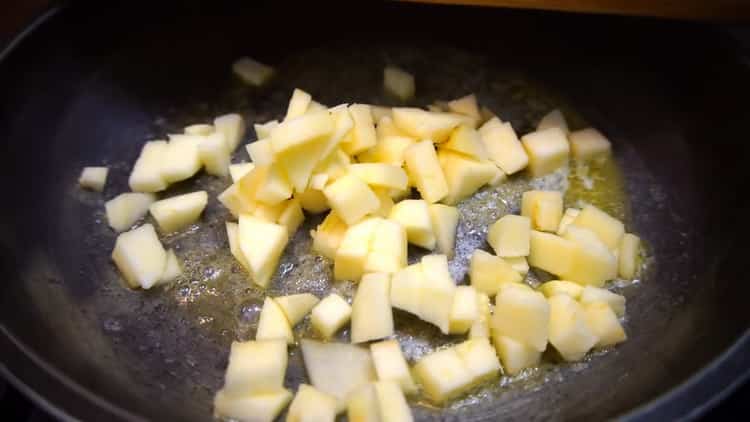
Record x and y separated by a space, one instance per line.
330 314
604 324
568 330
567 219
398 82
464 176
236 201
256 367
199 129
261 243
363 134
554 118
487 272
561 287
609 229
592 294
551 253
519 264
364 406
421 124
267 184
351 198
328 235
334 166
311 405
466 140
443 375
467 106
390 365
251 408
544 208
628 256
175 213
251 71
234 245
381 175
437 293
406 288
93 178
514 355
499 176
214 155
172 268
273 324
312 200
414 216
502 146
147 175
481 326
295 307
301 130
300 161
315 106
270 213
140 256
589 144
479 359
444 223
386 127
378 112
263 130
522 315
389 150
371 309
260 152
338 369
236 171
182 158
233 127
393 406
126 209
386 202
509 236
424 170
548 150
292 216
353 251
464 311
592 262
342 126
297 104
388 248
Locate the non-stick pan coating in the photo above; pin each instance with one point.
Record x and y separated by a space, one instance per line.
90 85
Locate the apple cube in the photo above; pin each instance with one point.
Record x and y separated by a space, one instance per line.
406 288
297 104
609 229
93 178
487 272
233 127
386 127
295 307
592 262
236 201
463 175
386 202
330 314
421 124
393 406
342 127
381 175
301 130
499 176
364 406
479 359
327 237
552 119
363 134
502 146
182 158
567 219
398 82
256 367
589 144
561 287
292 216
551 253
140 256
444 223
311 405
172 268
424 170
464 311
592 294
466 105
481 326
514 355
300 161
251 408
263 130
388 150
466 140
334 166
252 72
544 208
267 184
214 155
126 209
273 323
175 213
237 171
233 235
510 236
199 129
371 314
147 174
270 213
568 330
548 150
261 243
522 315
313 200
388 248
354 250
443 375
518 263
260 152
603 322
414 216
351 198
437 293
390 365
628 256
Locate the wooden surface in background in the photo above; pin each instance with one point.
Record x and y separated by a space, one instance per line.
734 10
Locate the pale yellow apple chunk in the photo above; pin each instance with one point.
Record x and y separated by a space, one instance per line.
393 406
554 118
464 311
424 170
269 213
386 127
147 174
609 229
592 262
251 408
267 184
260 152
296 306
414 216
300 161
514 355
568 331
199 129
237 171
438 290
487 272
351 198
252 72
551 253
592 294
256 367
604 324
372 318
522 315
567 219
388 150
313 200
354 250
589 144
182 158
363 133
548 150
140 256
466 105
443 375
518 263
342 127
398 82
236 201
176 213
263 130
301 130
291 216
126 209
364 406
466 140
502 146
261 243
561 287
510 236
406 288
388 248
233 127
386 202
390 365
93 178
330 315
479 358
311 405
381 175
544 208
628 256
328 235
273 323
463 175
444 223
421 124
481 326
172 268
233 236
214 154
297 104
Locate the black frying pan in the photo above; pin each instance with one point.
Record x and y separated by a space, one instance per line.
87 85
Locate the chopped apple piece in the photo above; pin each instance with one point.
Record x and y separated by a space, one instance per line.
488 272
548 150
594 294
386 202
481 326
267 184
479 359
519 264
424 170
444 223
263 130
256 367
354 250
251 408
568 330
602 321
214 155
437 293
328 235
466 140
147 175
464 311
386 127
499 176
315 106
199 129
443 375
307 128
251 71
273 324
464 176
364 406
467 106
181 158
378 112
388 248
592 262
236 201
414 216
175 213
93 178
544 208
334 166
514 355
552 119
381 175
342 126
261 243
363 134
522 315
313 200
502 146
297 104
270 213
300 161
567 219
390 365
589 144
371 309
561 287
295 307
126 209
311 405
172 268
628 256
330 314
510 236
393 406
551 253
389 150
260 152
406 288
234 245
339 369
351 198
398 82
421 124
236 171
233 127
140 257
609 229
292 216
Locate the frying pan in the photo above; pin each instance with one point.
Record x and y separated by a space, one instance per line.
89 83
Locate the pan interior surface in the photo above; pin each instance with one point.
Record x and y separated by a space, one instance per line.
83 91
